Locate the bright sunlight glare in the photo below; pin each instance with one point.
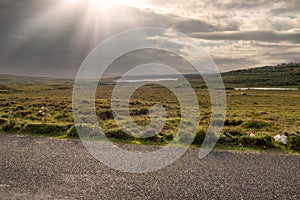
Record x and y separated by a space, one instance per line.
73 1
106 4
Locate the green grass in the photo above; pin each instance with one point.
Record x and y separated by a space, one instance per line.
283 75
264 113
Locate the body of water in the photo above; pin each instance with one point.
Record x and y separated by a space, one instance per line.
146 80
264 88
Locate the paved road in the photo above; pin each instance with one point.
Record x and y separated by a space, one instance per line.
40 168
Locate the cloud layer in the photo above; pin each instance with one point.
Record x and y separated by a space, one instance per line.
51 37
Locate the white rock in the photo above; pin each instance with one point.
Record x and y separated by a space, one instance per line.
281 138
252 135
284 139
277 138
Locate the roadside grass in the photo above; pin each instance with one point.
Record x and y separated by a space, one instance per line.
260 113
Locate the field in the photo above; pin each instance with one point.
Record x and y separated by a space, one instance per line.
44 108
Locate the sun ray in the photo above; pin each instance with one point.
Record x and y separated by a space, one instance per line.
106 4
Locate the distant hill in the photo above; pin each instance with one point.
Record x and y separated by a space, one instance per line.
26 80
284 75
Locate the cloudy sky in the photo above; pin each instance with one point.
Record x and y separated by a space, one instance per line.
52 37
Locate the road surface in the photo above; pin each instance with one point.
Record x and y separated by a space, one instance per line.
41 168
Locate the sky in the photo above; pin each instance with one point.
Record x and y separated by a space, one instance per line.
53 37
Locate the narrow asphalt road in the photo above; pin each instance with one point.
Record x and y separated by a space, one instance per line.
41 168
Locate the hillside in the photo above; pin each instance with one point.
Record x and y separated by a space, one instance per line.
284 75
26 80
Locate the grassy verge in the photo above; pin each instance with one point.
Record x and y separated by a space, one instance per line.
260 143
279 149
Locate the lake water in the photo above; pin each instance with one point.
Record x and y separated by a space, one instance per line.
254 88
146 80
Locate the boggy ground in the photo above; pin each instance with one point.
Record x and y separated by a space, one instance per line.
46 109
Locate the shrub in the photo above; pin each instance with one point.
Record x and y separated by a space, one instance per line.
45 129
199 138
60 87
3 121
72 133
87 131
246 141
20 108
233 122
260 141
227 139
32 117
184 138
105 115
135 102
294 142
22 113
136 112
4 116
255 124
148 133
265 141
233 132
144 111
169 137
118 134
4 91
229 88
155 138
217 122
64 116
9 126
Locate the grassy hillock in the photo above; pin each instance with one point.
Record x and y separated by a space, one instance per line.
284 75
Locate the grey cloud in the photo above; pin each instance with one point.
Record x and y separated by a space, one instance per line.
268 36
285 54
274 45
227 64
245 5
283 12
59 44
224 4
280 56
126 62
189 26
294 5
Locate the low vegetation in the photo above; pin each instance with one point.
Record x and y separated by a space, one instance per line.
252 121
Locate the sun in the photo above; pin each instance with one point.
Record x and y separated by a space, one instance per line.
109 4
73 1
105 4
